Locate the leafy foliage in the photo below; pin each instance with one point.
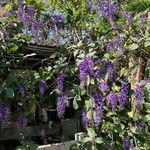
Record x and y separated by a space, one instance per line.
100 49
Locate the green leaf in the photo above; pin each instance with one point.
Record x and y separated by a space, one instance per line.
87 139
134 46
14 48
147 118
75 104
91 132
10 93
99 140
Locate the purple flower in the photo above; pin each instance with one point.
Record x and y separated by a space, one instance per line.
7 32
35 26
112 100
123 96
110 46
42 87
30 11
85 120
85 68
108 9
60 81
126 143
128 17
103 86
21 89
142 21
97 99
139 125
21 122
61 105
95 73
20 11
98 115
109 66
88 4
58 18
25 20
11 23
138 94
98 112
4 115
117 40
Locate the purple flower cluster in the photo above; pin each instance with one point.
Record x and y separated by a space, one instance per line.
85 120
20 11
21 122
108 9
21 89
123 96
109 66
97 99
58 18
118 40
61 105
88 4
42 87
138 94
4 115
30 10
142 21
115 45
85 68
128 17
25 21
126 143
110 46
139 125
98 112
98 115
60 81
103 86
112 100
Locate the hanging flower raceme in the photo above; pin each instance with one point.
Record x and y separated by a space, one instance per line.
60 82
108 9
117 40
61 105
126 143
98 112
103 86
85 69
88 4
109 66
20 11
30 10
5 113
112 100
42 87
85 120
110 46
25 21
139 125
21 122
123 96
128 17
138 94
58 18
